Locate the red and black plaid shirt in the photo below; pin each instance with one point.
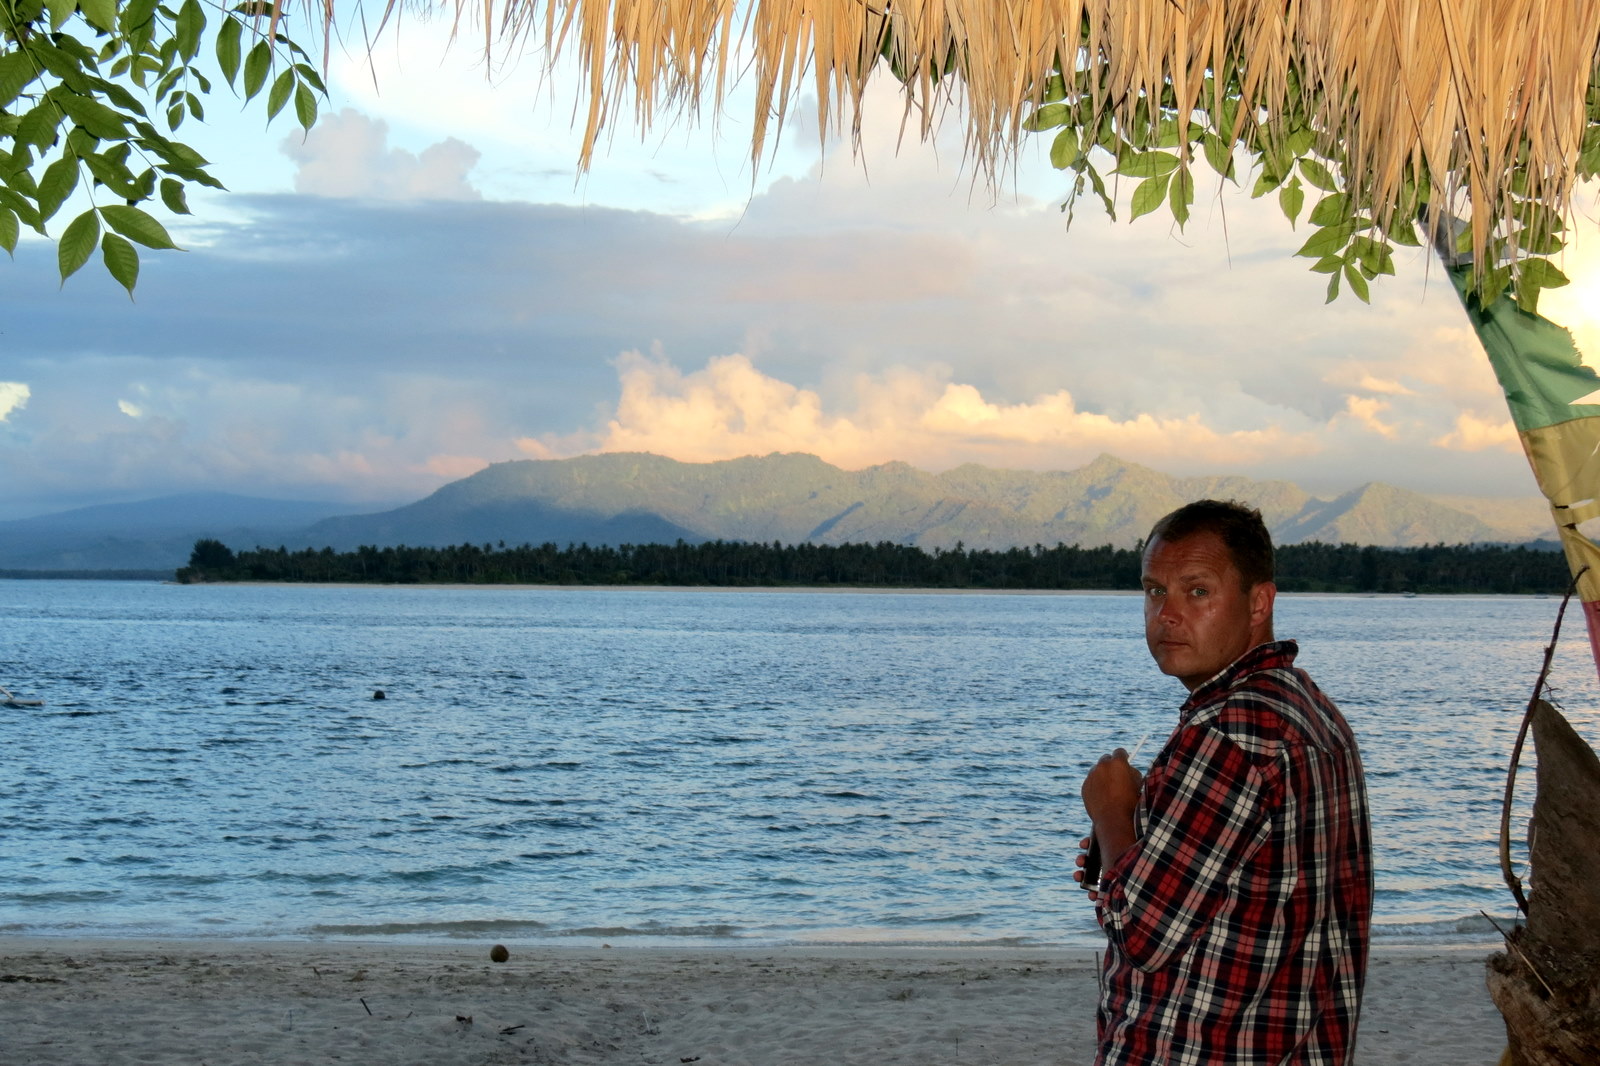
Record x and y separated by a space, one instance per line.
1238 923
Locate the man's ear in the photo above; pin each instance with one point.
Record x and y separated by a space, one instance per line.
1262 597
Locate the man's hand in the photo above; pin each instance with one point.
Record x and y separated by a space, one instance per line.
1110 795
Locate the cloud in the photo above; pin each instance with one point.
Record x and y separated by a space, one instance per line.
132 410
347 155
13 397
1365 411
1474 434
730 408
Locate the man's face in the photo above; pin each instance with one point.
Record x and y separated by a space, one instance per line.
1197 617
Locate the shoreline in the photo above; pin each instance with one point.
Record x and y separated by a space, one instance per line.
137 1001
830 590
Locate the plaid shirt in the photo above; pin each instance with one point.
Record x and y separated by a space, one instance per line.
1237 924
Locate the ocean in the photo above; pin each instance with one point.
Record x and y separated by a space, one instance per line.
680 766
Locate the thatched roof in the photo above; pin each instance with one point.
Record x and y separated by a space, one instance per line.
1481 102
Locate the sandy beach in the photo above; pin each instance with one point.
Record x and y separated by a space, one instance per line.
222 1002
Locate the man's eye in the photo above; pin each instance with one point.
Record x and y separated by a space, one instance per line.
1197 593
1154 592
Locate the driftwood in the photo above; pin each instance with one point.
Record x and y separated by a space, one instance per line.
1547 983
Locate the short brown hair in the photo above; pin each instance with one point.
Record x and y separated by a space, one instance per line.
1238 525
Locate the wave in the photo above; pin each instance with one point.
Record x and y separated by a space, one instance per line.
1476 926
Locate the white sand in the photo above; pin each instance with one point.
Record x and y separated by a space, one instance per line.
84 1002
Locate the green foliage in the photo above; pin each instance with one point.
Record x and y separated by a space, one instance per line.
79 80
211 554
1301 567
1349 238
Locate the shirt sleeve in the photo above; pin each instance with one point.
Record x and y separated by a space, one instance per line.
1206 813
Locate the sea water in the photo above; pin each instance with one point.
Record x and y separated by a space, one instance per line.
681 766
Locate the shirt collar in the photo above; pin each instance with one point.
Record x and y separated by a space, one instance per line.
1274 654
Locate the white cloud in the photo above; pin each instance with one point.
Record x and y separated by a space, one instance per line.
1366 411
1474 434
347 155
132 410
13 397
730 408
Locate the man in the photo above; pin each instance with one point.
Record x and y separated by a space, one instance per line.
1237 890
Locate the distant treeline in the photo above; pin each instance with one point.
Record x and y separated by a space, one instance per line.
86 575
1459 568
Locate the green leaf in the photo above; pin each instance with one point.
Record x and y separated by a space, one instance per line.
1404 232
282 86
309 75
1147 164
1149 195
17 72
256 66
80 142
168 81
1300 141
305 106
77 243
38 126
1358 283
1333 287
1100 190
136 225
195 107
25 211
1318 175
102 15
1494 286
93 116
1533 276
121 260
60 11
1047 117
8 230
122 98
1219 154
1291 198
228 47
1063 150
172 194
1265 183
136 14
1328 264
1327 240
191 23
59 180
1533 244
1330 209
112 175
1180 195
64 62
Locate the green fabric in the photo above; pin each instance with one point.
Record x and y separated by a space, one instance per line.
1537 361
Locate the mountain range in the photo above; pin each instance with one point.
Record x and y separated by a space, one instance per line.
640 498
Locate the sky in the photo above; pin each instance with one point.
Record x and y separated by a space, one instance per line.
425 284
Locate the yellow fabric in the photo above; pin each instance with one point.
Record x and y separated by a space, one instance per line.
1566 462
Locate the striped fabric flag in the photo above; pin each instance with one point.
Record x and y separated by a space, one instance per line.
1555 404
